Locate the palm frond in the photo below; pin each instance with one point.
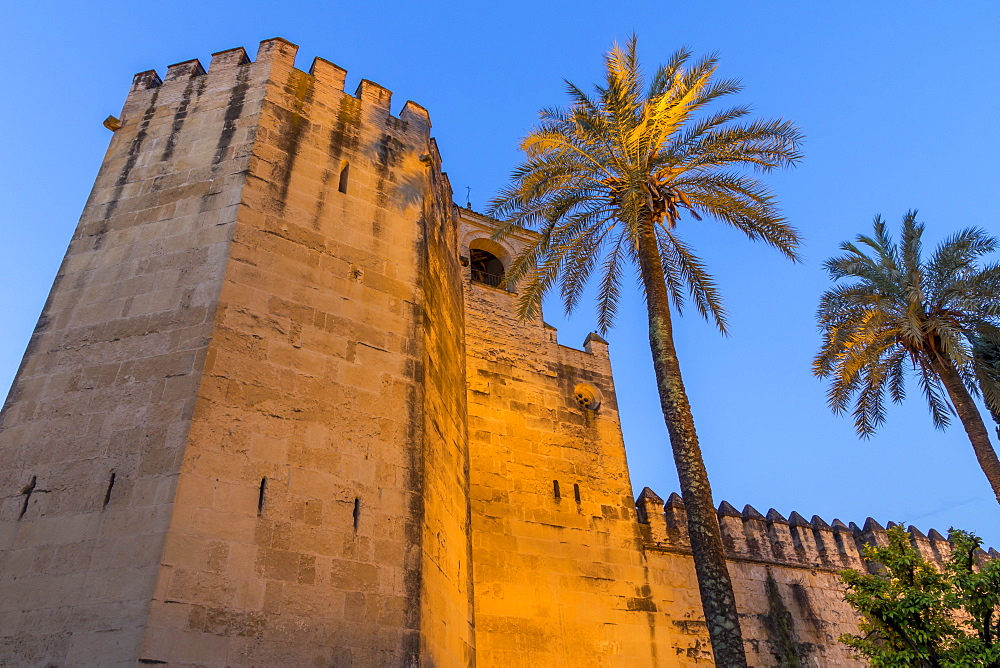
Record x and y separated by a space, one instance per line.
747 205
692 271
610 287
938 406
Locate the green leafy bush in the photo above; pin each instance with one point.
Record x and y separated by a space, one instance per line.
914 615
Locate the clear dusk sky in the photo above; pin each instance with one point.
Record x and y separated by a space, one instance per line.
898 102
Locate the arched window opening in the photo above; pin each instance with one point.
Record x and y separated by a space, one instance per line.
486 267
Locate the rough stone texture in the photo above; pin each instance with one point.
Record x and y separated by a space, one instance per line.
303 528
267 418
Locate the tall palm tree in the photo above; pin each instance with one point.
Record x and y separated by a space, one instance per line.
605 183
903 310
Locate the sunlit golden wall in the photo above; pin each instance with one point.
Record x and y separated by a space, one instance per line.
559 580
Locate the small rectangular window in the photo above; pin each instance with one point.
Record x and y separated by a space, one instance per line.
555 488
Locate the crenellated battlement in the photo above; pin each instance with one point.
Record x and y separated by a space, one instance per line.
229 58
773 539
275 60
185 70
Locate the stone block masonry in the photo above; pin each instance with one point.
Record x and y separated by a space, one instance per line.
96 423
279 410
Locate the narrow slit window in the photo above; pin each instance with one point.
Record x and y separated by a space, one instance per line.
555 488
345 169
357 513
260 496
107 494
576 492
26 491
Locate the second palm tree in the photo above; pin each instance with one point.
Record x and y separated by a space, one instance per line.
898 310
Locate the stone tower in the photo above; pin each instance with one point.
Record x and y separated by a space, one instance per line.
238 435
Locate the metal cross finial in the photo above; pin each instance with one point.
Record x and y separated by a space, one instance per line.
468 197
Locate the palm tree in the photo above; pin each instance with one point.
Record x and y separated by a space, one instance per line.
604 184
902 310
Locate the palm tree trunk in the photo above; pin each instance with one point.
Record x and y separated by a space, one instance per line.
968 413
716 588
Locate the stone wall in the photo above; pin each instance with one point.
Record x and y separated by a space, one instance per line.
784 572
302 526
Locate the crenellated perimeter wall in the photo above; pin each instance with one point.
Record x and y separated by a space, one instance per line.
784 573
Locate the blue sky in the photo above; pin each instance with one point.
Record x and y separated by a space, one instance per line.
897 101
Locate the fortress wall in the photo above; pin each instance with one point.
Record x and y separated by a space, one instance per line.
94 427
785 576
560 580
324 474
785 611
